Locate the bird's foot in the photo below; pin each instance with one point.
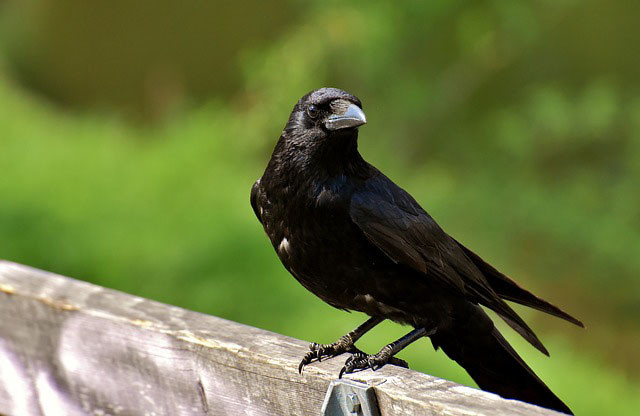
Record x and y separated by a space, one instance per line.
362 361
320 351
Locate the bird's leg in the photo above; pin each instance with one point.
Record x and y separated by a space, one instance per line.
344 344
359 361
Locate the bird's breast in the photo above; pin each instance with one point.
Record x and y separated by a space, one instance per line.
313 235
309 229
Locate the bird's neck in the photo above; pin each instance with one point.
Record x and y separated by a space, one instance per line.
337 156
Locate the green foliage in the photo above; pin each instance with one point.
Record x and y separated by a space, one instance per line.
146 58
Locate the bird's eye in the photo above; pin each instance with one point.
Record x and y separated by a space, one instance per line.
313 111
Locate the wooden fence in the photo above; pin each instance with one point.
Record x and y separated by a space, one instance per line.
72 348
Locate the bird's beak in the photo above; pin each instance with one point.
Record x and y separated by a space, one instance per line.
352 116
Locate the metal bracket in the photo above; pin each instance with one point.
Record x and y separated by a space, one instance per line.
350 398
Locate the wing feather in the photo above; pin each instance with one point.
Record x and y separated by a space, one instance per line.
396 224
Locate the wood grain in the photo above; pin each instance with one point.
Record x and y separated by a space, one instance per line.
72 348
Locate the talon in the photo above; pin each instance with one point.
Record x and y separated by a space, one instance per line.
308 357
301 365
320 351
398 362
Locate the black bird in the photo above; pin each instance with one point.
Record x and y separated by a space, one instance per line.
359 242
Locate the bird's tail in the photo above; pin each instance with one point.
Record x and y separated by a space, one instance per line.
495 366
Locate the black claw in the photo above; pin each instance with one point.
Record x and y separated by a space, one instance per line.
398 362
308 357
320 351
358 360
361 361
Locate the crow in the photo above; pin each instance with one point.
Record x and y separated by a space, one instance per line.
359 242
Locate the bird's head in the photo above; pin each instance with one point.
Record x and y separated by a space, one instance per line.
325 121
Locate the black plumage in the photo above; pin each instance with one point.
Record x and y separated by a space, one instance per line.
358 241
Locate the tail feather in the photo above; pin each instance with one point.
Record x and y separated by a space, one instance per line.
510 290
526 333
493 364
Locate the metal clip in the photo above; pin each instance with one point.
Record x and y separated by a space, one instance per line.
350 398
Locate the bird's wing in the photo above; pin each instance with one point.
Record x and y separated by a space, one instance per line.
396 224
510 290
254 199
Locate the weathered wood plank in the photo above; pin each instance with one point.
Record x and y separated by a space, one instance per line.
72 348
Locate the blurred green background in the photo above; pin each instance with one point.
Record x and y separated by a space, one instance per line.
131 133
